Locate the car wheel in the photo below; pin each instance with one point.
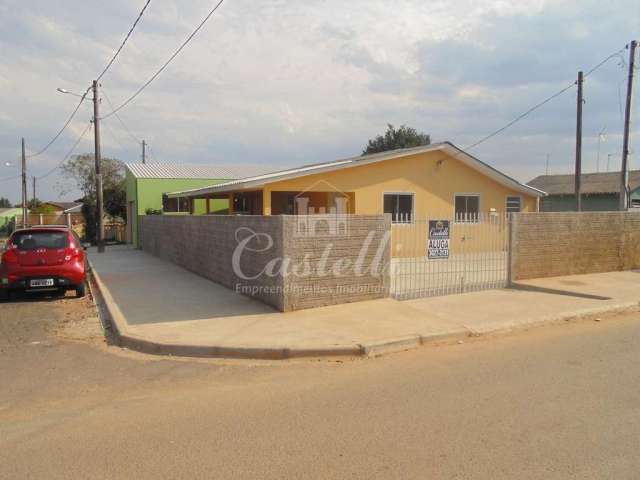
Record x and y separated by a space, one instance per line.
81 290
4 295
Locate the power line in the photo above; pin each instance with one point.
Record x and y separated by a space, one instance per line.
545 101
57 135
69 153
114 136
115 55
73 114
135 139
6 179
613 55
520 117
175 54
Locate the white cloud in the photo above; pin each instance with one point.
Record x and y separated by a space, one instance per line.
284 82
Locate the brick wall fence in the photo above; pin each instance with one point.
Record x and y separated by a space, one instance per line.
302 271
571 243
343 268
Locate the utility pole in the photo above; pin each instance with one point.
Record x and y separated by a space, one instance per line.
34 190
144 151
579 146
608 161
96 132
624 178
24 187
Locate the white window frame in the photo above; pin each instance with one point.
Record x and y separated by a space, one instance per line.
413 206
506 204
467 194
178 204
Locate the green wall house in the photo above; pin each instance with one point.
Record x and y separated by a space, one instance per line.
7 219
147 184
600 191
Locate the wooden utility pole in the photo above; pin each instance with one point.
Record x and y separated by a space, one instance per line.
34 190
24 187
624 178
96 132
579 145
144 151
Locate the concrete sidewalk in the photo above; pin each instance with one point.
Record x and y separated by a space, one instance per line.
159 307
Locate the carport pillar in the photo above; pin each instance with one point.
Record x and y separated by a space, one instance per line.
266 201
231 204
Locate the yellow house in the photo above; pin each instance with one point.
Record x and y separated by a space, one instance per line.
438 180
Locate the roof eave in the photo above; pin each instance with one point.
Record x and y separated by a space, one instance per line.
262 180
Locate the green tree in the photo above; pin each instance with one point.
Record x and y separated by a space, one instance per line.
394 138
5 203
81 168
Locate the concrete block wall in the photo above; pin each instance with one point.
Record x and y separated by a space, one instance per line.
344 268
571 243
205 245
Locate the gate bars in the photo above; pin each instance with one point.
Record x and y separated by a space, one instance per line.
478 255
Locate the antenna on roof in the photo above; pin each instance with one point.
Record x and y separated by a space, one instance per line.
547 167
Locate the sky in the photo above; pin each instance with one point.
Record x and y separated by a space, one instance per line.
283 82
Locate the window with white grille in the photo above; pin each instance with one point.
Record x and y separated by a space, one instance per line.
514 204
467 207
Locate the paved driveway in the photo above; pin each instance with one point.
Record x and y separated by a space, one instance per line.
149 290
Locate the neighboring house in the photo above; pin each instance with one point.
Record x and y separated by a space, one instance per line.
600 191
437 180
146 185
59 208
7 217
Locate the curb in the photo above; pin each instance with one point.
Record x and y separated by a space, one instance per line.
111 315
561 318
107 307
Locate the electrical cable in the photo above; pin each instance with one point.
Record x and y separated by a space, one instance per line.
540 104
135 139
115 55
159 71
73 114
69 153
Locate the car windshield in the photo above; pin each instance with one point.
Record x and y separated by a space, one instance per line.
35 240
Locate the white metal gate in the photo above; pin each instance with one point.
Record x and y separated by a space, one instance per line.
476 256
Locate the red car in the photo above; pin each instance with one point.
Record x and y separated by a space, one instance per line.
43 258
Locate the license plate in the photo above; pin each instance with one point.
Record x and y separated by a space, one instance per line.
47 282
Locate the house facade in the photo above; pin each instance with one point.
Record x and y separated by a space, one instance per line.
147 184
8 219
437 180
600 191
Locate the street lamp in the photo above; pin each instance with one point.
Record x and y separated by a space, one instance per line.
68 92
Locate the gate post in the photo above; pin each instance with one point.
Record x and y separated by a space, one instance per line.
513 228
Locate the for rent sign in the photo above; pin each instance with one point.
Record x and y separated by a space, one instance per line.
438 246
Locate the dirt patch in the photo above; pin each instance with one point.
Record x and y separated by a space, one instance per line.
79 320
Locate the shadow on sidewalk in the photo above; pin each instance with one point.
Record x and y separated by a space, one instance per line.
555 291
